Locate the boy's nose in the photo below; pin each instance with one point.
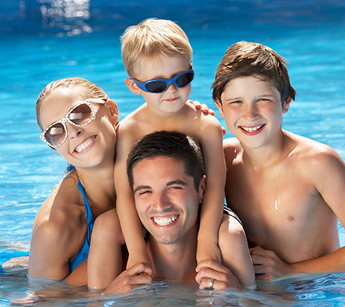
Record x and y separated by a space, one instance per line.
250 112
171 88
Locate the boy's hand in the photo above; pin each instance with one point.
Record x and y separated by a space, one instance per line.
267 265
202 107
212 273
138 275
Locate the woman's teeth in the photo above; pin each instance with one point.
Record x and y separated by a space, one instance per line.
86 144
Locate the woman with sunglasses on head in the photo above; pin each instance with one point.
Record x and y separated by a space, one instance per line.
79 121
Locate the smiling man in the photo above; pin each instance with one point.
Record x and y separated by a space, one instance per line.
165 170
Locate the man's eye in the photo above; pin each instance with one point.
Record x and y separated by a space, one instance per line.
144 192
176 188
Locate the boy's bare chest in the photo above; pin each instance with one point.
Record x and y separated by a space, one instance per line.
271 201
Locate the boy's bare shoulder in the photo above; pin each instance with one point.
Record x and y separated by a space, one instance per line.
312 154
129 127
232 146
310 148
190 113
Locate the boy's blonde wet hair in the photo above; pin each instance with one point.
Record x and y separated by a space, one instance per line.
245 59
91 89
150 39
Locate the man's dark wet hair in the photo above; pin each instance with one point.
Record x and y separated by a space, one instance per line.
169 144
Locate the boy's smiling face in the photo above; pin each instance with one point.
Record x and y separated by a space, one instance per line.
252 110
173 99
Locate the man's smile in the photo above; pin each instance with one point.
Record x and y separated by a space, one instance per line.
165 220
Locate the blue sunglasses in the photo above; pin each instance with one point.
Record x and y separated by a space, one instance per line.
161 85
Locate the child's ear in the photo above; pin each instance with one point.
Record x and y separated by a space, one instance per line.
132 86
114 112
220 108
286 105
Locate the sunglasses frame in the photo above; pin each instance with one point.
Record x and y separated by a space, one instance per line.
66 119
170 81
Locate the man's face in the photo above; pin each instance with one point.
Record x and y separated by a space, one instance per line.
166 199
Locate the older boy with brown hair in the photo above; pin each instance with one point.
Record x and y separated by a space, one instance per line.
287 190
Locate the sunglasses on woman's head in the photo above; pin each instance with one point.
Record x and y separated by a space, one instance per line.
80 115
161 85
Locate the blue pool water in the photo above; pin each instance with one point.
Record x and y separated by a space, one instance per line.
44 40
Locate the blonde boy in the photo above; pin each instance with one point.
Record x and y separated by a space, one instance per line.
159 49
287 190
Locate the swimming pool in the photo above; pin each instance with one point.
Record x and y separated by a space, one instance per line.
44 40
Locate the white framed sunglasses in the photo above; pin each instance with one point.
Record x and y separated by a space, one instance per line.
80 115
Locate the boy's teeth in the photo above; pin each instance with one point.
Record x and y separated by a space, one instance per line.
164 221
251 129
84 145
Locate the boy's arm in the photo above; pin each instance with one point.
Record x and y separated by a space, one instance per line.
125 206
327 170
211 142
268 266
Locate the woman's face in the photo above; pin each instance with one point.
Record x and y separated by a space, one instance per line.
87 146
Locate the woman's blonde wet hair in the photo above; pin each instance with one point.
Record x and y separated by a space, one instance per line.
150 39
91 89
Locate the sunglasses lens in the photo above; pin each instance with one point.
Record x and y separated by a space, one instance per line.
156 86
81 115
56 134
184 80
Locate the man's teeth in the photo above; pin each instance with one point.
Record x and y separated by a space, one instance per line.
251 129
84 145
165 220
